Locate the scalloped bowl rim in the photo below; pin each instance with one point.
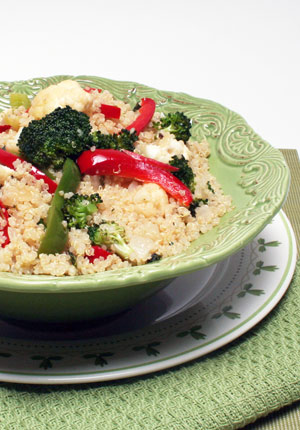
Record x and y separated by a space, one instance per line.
121 278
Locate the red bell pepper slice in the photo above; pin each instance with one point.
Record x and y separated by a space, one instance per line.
152 161
110 111
113 162
98 252
89 89
4 215
7 159
146 113
4 128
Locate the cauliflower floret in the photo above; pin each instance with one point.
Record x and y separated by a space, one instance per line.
66 93
164 149
150 200
142 247
5 172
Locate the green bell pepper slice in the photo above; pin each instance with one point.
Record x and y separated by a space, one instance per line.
18 99
56 235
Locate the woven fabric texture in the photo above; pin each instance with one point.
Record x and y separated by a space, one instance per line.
287 418
228 389
292 203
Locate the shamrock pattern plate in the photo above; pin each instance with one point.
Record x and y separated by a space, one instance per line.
196 314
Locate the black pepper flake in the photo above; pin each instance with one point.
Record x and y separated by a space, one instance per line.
41 222
136 107
154 257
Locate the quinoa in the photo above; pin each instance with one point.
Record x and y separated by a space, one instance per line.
154 222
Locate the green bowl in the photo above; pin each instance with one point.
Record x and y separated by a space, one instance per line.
247 167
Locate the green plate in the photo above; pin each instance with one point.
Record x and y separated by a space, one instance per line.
247 167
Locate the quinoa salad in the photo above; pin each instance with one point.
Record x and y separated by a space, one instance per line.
89 184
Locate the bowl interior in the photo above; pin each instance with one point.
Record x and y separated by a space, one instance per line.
247 167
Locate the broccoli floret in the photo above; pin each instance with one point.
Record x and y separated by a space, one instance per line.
77 208
112 235
124 140
195 204
63 133
185 173
176 123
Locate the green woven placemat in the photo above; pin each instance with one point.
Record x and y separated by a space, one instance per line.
287 418
251 377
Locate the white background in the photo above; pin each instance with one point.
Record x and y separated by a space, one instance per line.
244 54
